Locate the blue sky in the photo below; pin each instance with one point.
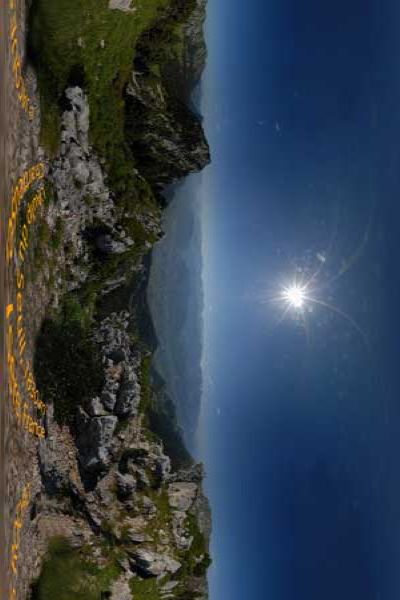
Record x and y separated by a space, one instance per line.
300 428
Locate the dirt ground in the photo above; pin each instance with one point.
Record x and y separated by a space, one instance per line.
19 151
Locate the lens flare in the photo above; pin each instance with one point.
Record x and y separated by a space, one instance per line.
297 298
300 297
295 295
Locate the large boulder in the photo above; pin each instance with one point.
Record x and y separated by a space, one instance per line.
94 437
163 467
152 564
182 537
149 508
120 589
108 400
126 485
136 537
128 398
124 5
76 121
95 408
121 391
181 495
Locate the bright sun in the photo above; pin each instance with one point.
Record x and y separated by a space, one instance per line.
295 295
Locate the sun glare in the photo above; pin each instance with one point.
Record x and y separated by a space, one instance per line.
295 295
298 298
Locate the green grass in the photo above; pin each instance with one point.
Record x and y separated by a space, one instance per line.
56 28
191 566
67 574
83 42
164 513
58 233
145 589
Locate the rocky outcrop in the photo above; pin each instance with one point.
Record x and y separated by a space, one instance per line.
77 173
165 134
121 481
128 397
168 138
121 391
120 589
83 203
94 438
124 5
126 485
195 48
146 454
151 564
119 399
181 495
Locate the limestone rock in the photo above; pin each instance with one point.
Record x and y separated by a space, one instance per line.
128 399
94 440
124 5
163 467
120 589
126 485
169 586
152 564
181 536
168 139
135 537
181 495
108 400
121 392
149 507
96 408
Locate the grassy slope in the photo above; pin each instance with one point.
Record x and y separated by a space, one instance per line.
67 38
67 574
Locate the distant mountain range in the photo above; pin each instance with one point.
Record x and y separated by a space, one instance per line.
175 297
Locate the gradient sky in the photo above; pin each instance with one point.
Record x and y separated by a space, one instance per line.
301 425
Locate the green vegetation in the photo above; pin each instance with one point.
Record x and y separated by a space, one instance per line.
191 565
57 237
73 373
163 518
145 589
136 230
67 573
43 234
162 62
67 364
83 42
165 46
